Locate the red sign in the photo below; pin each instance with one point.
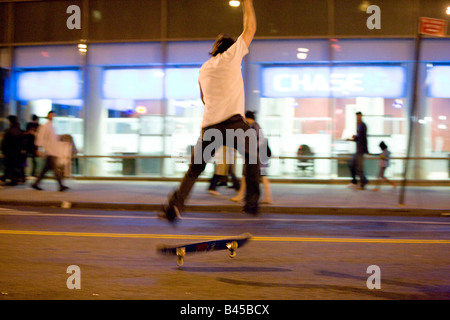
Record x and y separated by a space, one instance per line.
433 27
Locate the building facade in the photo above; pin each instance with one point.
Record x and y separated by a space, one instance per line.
124 80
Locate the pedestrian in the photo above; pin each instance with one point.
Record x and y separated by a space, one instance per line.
47 139
30 145
13 152
222 93
357 162
264 162
224 167
384 162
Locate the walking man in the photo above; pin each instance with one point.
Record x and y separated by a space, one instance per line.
222 92
357 162
47 139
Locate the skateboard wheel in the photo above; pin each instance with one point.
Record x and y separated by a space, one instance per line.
181 252
232 245
180 261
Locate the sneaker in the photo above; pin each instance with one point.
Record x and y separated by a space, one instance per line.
170 214
36 187
63 188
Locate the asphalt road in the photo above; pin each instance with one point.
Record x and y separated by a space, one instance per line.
290 257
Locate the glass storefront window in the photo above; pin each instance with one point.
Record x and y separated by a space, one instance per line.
164 119
57 90
313 107
138 102
436 122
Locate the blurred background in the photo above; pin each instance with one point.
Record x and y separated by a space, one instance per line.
124 84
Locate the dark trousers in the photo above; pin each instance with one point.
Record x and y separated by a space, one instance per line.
50 164
204 150
13 169
357 169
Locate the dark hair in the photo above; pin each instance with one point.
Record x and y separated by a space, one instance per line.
12 119
359 112
223 42
250 114
382 145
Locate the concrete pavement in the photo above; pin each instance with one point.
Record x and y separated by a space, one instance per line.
289 198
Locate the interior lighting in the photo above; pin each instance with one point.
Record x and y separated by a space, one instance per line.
398 104
234 3
82 47
141 109
302 53
448 11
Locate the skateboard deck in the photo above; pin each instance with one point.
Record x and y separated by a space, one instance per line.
231 244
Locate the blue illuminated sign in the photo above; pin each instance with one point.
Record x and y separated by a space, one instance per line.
336 82
182 83
53 85
133 84
439 82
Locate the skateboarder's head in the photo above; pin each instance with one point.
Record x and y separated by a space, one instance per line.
222 43
51 114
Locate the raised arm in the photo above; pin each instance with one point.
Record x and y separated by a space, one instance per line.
249 22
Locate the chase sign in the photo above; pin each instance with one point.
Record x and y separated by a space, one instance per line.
334 82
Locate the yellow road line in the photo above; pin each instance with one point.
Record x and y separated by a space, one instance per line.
209 237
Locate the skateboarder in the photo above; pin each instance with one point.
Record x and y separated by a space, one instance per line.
222 92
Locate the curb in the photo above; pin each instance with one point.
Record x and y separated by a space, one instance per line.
400 211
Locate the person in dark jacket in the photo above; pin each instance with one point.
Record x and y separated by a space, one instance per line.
357 162
12 149
30 145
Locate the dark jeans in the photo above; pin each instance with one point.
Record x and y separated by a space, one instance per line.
204 150
50 164
357 169
13 169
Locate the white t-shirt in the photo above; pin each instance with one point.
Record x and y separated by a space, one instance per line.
222 84
46 138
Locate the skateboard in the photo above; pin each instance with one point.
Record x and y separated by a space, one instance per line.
231 244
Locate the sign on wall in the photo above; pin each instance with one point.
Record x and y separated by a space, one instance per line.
53 85
438 80
133 84
336 82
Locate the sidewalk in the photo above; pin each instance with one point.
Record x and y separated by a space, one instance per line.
288 198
